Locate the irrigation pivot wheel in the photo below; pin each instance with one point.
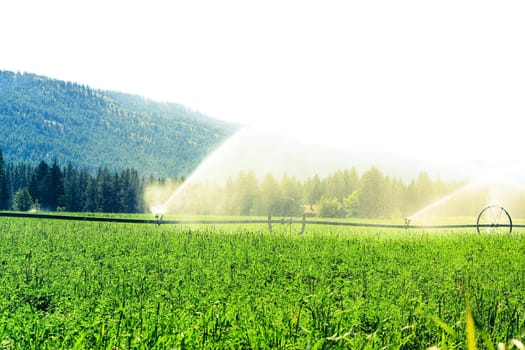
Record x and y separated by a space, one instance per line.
494 219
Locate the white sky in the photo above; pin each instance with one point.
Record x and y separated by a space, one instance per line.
441 80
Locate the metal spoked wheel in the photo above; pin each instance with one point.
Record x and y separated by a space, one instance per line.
494 219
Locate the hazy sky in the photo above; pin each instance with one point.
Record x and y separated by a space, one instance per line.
427 79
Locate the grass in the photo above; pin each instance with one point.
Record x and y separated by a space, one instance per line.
108 286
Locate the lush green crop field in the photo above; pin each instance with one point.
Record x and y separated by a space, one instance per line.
120 286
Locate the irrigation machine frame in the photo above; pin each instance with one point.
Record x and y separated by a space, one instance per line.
492 219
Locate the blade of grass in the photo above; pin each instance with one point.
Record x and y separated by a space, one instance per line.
471 330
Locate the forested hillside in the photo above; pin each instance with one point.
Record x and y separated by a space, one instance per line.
47 119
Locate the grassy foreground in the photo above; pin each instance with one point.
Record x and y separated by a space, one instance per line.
118 286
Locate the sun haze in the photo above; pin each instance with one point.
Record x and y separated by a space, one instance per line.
437 81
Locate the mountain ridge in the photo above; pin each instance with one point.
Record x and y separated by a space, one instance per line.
48 119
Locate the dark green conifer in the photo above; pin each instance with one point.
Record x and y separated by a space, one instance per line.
4 185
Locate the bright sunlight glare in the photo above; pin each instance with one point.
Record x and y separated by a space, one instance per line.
439 81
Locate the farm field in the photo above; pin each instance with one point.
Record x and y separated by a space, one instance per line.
86 285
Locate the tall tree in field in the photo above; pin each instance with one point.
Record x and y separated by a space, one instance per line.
138 185
351 181
86 191
56 187
40 185
4 185
90 194
270 195
125 200
292 193
129 192
313 190
333 186
372 194
246 191
71 200
105 192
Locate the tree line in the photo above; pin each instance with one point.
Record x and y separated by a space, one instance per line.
54 188
344 193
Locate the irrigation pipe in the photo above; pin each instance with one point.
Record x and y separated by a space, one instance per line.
269 222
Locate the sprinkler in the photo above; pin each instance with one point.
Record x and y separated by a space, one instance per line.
159 218
159 213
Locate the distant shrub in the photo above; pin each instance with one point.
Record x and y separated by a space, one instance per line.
330 208
22 200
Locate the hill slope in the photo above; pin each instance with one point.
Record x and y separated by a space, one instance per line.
48 119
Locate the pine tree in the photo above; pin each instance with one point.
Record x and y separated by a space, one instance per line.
4 185
39 189
85 191
270 196
71 200
313 190
56 190
373 194
90 200
105 192
292 193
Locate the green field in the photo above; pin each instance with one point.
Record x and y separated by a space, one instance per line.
120 286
